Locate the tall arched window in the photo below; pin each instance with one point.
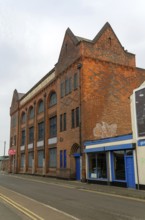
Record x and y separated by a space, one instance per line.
31 112
53 99
40 106
23 117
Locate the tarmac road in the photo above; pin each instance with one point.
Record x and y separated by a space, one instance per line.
73 200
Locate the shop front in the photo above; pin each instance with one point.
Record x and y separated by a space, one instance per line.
111 161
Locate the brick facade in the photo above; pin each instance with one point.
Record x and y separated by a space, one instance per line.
107 75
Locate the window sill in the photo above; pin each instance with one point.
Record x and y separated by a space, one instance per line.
98 179
121 181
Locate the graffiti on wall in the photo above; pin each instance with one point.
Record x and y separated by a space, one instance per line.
103 130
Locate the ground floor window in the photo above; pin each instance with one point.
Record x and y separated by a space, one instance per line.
22 160
97 165
101 165
119 165
63 159
52 157
92 165
40 158
30 158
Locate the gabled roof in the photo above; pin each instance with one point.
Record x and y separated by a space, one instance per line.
78 39
16 97
104 28
20 95
73 37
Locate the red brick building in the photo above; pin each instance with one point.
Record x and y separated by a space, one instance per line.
84 97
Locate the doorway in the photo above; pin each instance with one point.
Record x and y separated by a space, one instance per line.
130 172
77 162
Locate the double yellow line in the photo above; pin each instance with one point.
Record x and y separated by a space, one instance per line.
19 207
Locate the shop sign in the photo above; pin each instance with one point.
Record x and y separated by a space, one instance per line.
141 143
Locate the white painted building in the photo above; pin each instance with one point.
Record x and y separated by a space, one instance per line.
138 129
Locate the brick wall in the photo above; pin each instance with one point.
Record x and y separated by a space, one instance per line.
106 89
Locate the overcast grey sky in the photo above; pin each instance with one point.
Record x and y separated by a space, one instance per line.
32 31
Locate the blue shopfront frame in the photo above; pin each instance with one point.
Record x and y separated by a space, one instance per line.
119 146
95 173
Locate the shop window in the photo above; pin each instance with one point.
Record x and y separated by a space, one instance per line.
101 165
52 157
119 165
92 166
98 166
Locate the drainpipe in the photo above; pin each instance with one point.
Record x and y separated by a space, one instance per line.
44 159
79 66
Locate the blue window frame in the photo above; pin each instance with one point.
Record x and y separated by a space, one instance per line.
118 164
63 158
98 165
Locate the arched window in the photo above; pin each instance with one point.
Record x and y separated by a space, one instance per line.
53 99
31 112
23 118
40 106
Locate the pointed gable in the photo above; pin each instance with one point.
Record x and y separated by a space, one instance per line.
70 51
107 38
15 99
107 47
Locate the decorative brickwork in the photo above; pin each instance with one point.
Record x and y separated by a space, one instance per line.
96 77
